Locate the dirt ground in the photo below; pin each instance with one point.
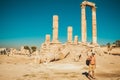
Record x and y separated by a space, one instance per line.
20 67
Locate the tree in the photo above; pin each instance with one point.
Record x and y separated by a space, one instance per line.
26 47
108 45
118 43
33 48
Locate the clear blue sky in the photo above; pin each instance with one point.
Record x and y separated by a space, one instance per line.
26 22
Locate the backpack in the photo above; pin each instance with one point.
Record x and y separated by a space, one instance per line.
87 62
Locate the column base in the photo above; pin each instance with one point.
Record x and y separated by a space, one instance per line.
55 42
95 44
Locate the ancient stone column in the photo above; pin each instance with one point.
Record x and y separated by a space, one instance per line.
47 40
76 40
55 29
94 32
83 23
69 34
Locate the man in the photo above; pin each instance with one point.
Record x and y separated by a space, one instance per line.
92 65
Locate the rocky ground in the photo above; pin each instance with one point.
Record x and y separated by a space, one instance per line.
21 67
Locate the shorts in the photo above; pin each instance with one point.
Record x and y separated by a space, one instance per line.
91 67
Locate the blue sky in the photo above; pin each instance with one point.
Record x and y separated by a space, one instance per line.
26 22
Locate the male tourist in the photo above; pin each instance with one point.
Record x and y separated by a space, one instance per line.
92 65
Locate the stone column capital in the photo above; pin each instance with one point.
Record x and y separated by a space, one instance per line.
93 8
83 6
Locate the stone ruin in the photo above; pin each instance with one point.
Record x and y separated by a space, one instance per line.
69 51
14 51
72 50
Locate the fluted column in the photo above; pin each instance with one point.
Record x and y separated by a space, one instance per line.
69 34
47 40
55 29
83 23
76 40
94 28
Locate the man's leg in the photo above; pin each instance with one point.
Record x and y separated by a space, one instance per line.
93 75
90 71
93 71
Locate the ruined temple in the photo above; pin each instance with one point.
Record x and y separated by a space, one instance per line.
71 48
